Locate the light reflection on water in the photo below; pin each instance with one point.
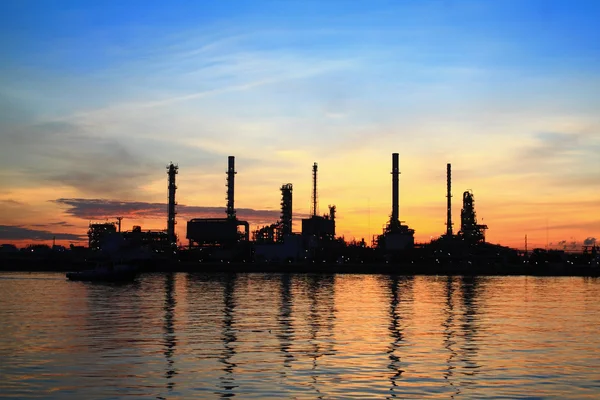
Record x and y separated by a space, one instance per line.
299 336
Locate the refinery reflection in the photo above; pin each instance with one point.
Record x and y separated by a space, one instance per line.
285 334
229 337
471 288
460 334
170 340
321 317
398 287
450 337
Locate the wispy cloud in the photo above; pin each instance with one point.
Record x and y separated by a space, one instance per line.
282 84
10 203
99 209
9 232
53 224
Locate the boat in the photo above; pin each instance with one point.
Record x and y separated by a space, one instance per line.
105 273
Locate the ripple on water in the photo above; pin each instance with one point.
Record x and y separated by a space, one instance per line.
299 336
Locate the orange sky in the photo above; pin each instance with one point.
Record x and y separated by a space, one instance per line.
93 110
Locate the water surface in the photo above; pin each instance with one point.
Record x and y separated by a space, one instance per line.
299 336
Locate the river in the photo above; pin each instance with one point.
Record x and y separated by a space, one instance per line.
189 335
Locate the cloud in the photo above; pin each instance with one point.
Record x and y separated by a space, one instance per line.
9 232
90 159
100 209
75 156
50 224
11 203
589 241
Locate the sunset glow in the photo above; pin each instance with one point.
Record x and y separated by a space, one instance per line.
98 98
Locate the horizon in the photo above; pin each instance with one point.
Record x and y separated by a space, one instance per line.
98 98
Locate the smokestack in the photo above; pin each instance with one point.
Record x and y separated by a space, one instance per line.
230 188
395 219
449 197
171 171
314 207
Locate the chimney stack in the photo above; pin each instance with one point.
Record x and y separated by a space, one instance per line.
449 197
314 205
395 219
230 188
171 171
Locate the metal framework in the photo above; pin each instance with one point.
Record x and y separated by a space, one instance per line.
314 210
469 228
449 197
286 209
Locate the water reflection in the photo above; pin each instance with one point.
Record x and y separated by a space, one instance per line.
170 340
285 334
397 286
449 336
229 337
470 287
321 318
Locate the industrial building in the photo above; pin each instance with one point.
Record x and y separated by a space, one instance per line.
220 232
317 228
470 230
98 233
396 236
278 231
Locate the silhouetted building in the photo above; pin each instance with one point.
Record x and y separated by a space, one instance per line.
154 240
220 231
276 233
318 228
470 230
98 234
286 208
396 236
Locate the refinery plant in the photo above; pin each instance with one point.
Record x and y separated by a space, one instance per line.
228 244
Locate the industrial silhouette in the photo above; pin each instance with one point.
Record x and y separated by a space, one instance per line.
214 242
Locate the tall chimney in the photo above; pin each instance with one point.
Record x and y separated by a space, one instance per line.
449 197
171 171
314 207
230 188
395 219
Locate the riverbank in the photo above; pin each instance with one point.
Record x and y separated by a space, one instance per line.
411 268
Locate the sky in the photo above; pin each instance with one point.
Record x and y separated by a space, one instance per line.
96 98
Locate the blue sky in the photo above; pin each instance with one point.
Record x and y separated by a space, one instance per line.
95 97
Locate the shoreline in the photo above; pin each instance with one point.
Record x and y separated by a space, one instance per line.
429 269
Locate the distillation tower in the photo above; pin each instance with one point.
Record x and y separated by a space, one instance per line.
469 228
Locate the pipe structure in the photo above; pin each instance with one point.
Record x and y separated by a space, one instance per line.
314 207
172 170
231 188
449 197
395 218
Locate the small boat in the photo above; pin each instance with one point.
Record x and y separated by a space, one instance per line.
105 273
